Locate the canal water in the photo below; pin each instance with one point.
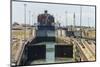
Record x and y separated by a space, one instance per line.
50 52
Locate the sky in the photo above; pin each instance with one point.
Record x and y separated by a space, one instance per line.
62 13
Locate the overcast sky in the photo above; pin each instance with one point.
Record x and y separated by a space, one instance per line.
57 10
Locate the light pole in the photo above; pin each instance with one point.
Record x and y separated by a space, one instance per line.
88 22
80 21
74 21
25 20
29 24
66 18
29 17
32 19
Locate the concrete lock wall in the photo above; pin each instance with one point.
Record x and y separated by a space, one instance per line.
61 32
